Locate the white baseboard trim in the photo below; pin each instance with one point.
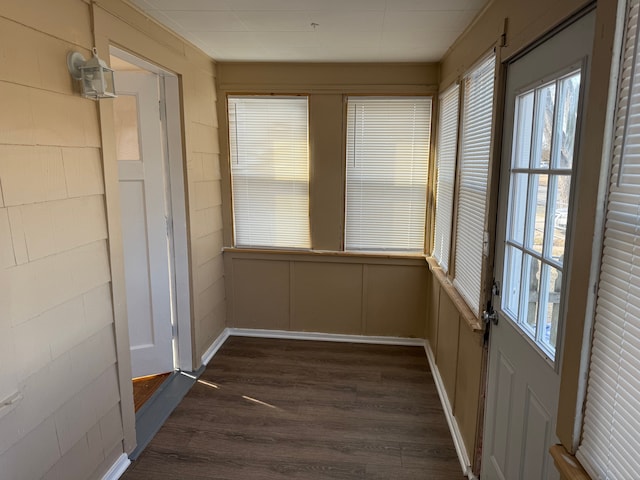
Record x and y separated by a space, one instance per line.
324 337
215 346
461 450
118 468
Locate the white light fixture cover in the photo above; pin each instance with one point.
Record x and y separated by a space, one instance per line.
96 78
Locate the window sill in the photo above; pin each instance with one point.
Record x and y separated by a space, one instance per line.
471 320
568 465
328 255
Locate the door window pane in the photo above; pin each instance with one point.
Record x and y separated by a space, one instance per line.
565 133
512 283
530 293
518 207
539 201
551 306
125 112
543 126
524 131
536 211
559 190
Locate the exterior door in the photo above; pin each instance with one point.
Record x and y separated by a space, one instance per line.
539 159
143 185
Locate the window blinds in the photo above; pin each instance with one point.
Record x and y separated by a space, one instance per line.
611 429
387 155
269 152
475 146
446 169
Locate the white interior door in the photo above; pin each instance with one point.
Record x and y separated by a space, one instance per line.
539 159
143 186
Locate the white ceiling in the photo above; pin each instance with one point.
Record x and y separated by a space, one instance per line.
346 31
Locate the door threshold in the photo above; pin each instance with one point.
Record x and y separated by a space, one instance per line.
157 409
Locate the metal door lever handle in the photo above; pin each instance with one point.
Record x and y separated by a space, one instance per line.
490 316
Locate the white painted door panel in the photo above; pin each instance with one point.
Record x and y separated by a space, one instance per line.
522 410
524 350
139 139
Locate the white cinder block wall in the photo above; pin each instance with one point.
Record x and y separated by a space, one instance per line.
57 341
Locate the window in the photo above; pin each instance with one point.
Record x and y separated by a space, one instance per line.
269 153
475 148
539 187
540 184
387 159
610 438
446 170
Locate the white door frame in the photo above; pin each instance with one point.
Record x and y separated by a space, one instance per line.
176 203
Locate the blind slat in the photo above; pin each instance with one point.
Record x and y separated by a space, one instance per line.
475 145
445 170
269 151
610 439
387 152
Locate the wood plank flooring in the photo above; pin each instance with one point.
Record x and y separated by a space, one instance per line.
267 409
145 387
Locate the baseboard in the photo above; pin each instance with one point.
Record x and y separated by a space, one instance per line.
324 337
456 434
215 346
118 468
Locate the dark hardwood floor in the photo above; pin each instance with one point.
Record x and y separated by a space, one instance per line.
268 409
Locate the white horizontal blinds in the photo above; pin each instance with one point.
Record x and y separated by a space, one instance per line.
387 157
611 429
269 146
475 146
446 169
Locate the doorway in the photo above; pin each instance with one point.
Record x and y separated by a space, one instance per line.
540 156
153 215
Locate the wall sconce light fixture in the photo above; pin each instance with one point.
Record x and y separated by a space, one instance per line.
96 78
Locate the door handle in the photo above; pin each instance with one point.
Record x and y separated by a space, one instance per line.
490 316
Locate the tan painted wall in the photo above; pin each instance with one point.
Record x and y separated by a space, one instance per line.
355 295
56 318
526 22
322 292
61 281
458 352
